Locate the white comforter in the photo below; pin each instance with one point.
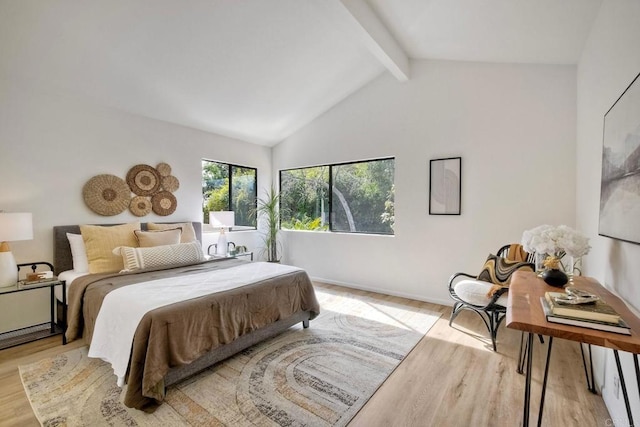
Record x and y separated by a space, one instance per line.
123 308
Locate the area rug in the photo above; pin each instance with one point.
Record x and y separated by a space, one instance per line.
320 376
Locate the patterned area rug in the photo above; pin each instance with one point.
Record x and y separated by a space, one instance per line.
319 376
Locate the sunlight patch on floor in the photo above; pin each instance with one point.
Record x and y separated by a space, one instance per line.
385 312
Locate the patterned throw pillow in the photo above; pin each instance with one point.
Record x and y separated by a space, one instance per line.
159 256
498 270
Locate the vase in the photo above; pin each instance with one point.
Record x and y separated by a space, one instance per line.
569 265
554 277
539 258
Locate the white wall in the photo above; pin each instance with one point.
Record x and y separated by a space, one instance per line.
514 127
51 144
610 61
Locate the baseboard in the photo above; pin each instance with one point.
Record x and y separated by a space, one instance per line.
446 302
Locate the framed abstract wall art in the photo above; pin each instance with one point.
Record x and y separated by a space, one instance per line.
620 182
445 185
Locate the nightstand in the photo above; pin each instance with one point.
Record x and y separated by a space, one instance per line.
42 330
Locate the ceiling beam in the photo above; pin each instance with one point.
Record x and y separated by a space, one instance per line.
377 37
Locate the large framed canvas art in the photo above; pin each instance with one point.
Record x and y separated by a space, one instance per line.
620 183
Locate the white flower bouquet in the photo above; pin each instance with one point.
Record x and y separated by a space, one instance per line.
555 241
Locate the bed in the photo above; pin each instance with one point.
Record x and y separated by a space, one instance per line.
176 341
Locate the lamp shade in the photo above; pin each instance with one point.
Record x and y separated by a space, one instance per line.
222 219
15 226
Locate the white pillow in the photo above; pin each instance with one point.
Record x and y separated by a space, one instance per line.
78 253
159 256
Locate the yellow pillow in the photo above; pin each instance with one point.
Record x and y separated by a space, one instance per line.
188 232
147 239
100 242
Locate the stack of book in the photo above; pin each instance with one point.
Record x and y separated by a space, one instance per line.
596 315
26 283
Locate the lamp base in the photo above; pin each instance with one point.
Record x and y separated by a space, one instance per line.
8 270
221 247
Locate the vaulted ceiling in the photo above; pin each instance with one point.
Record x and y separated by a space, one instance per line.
259 70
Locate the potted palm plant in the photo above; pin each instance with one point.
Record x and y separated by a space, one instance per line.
268 208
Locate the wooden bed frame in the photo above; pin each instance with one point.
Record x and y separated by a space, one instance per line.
63 262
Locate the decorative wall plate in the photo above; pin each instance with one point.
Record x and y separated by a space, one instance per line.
164 203
106 194
143 180
163 169
170 183
140 206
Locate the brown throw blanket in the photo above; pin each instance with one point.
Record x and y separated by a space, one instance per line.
516 253
180 333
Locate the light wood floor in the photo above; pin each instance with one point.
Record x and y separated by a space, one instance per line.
451 378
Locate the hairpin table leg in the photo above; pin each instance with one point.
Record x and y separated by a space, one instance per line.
635 362
521 354
527 381
624 387
591 386
544 381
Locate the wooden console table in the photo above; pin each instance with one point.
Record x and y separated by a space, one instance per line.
524 312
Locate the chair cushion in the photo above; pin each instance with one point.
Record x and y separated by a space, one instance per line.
475 292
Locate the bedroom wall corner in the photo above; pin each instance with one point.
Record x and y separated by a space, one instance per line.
514 127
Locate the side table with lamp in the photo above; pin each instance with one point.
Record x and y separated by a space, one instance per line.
224 248
221 220
14 227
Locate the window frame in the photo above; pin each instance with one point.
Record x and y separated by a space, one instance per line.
331 213
230 190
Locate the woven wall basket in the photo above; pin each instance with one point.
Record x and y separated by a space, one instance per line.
143 180
163 169
106 194
164 203
140 206
170 183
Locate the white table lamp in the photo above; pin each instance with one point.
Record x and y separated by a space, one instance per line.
13 226
222 220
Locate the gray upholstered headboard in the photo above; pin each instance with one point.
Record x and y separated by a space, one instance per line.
62 260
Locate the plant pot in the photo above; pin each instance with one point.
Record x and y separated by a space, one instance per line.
554 277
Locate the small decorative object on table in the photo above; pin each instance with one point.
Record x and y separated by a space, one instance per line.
553 245
552 274
38 278
574 296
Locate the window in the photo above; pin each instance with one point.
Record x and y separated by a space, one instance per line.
361 199
227 187
304 199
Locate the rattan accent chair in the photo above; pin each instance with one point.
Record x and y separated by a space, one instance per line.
470 294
